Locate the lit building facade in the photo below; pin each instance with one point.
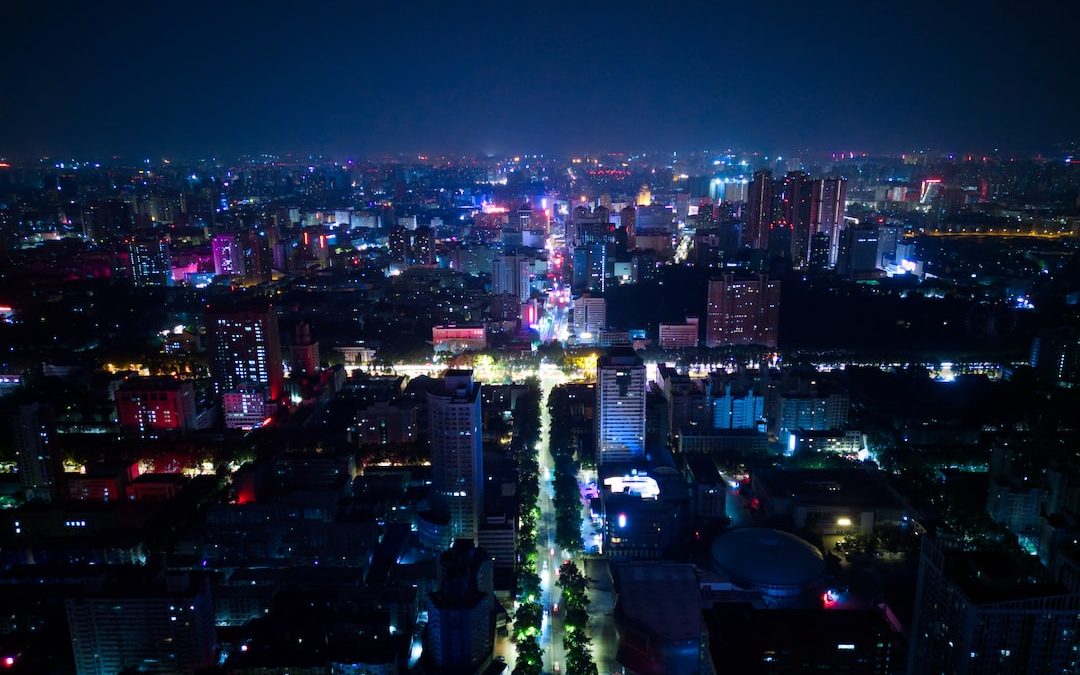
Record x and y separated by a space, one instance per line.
246 407
454 339
620 407
590 318
827 214
511 275
245 349
679 335
743 312
150 262
457 459
228 255
149 406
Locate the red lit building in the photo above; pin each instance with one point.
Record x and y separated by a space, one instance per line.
458 338
102 482
149 406
155 487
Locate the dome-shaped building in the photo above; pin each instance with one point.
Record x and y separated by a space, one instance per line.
775 563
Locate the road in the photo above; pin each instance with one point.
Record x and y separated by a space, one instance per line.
548 555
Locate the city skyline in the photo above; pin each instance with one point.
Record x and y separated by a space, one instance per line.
441 338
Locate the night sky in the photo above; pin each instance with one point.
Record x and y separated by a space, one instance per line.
188 79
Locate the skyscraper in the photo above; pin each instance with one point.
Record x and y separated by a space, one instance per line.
228 255
620 406
245 348
457 459
39 461
590 267
743 312
796 207
827 214
511 275
759 210
150 263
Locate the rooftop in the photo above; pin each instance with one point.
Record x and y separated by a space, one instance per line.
662 599
990 577
760 555
847 487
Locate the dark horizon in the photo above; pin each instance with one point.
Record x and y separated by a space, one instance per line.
154 80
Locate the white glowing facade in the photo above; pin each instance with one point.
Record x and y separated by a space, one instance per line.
457 458
620 407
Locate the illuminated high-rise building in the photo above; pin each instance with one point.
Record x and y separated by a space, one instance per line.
422 251
590 317
457 459
511 275
150 262
620 407
590 267
796 207
228 255
759 210
827 212
644 196
743 311
399 245
245 349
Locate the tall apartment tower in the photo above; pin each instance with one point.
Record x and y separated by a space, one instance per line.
511 275
457 459
743 312
979 612
228 255
245 349
150 263
827 212
132 619
759 210
39 461
620 407
796 206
